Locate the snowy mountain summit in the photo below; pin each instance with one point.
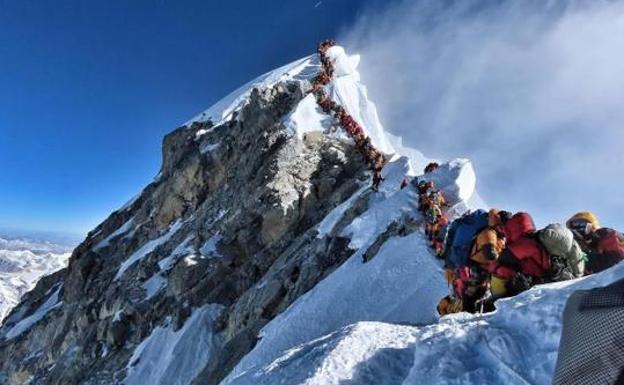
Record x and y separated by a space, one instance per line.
243 263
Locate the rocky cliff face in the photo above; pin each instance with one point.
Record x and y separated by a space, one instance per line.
229 222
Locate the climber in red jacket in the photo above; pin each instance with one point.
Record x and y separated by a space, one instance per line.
604 246
524 262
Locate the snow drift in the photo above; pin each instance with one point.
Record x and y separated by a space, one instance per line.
517 344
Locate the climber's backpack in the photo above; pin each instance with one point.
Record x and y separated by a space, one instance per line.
609 250
610 242
524 248
519 224
559 242
464 230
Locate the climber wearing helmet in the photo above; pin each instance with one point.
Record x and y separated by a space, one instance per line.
604 246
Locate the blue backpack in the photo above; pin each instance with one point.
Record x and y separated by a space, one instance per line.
463 231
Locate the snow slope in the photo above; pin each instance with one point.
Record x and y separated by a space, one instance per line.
224 109
22 262
345 89
25 323
516 345
174 357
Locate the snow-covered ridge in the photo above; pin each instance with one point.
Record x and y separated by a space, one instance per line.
516 345
402 282
346 89
223 110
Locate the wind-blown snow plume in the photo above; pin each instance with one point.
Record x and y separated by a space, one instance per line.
534 87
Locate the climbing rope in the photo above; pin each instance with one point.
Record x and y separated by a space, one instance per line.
374 157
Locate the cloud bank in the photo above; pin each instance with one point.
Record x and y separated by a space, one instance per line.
531 91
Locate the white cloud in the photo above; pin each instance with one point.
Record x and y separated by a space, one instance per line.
531 91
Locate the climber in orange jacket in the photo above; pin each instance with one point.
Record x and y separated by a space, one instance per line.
490 242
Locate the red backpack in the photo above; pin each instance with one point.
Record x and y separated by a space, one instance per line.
533 257
518 225
608 250
530 255
610 242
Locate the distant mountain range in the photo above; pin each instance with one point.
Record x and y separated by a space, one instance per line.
24 260
66 240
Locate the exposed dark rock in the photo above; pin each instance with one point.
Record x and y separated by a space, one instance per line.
229 220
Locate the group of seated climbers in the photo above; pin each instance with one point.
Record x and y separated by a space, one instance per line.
495 254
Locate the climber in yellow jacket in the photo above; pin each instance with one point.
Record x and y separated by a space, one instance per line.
490 242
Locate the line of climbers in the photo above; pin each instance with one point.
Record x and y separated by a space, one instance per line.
374 157
495 254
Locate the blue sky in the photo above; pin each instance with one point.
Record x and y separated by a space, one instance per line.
530 91
88 89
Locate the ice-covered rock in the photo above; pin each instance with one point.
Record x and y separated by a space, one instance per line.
224 109
306 118
25 323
